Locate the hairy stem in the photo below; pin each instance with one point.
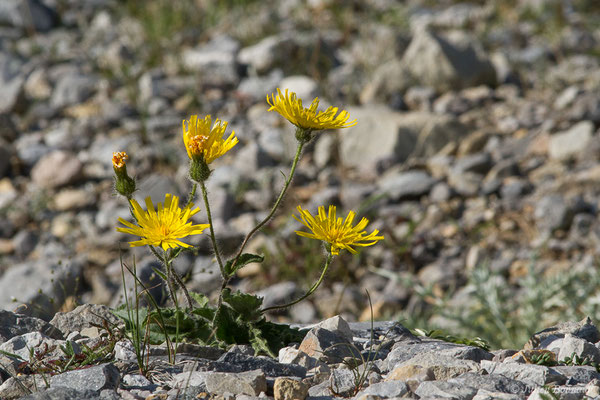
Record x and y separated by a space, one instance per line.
212 230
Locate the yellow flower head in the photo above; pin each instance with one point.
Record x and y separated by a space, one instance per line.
163 227
118 159
290 107
339 234
201 140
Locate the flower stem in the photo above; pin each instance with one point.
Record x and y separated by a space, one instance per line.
310 291
212 230
192 194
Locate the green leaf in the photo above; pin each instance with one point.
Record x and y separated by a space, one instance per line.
247 306
158 272
201 299
243 260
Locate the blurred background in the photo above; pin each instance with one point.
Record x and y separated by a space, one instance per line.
476 152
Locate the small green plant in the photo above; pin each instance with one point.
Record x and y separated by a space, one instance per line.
361 368
489 308
237 318
441 335
546 359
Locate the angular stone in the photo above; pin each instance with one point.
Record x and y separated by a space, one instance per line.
250 383
21 345
530 374
327 346
342 382
337 325
55 169
271 368
493 383
584 329
446 390
96 378
483 394
443 366
571 142
84 316
39 288
443 65
73 89
18 387
386 390
12 325
577 373
406 185
289 389
30 15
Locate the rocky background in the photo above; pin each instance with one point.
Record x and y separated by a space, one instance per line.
476 152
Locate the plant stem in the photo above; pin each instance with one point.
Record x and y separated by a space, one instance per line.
310 291
212 230
192 194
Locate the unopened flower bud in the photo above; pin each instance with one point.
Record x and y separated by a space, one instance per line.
124 184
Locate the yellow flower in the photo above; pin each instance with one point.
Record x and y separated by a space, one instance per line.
290 107
201 140
340 235
163 227
118 159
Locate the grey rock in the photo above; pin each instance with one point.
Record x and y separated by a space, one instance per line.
250 383
55 169
337 325
443 65
436 132
84 316
53 283
21 345
493 383
270 367
304 87
24 242
552 212
466 184
342 382
443 366
391 138
267 53
216 61
406 185
406 350
73 89
571 142
385 389
28 15
577 374
479 163
12 325
195 380
18 387
483 394
11 81
96 378
255 87
530 374
327 346
251 158
445 389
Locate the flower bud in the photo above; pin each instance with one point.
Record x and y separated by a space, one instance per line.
124 184
199 170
